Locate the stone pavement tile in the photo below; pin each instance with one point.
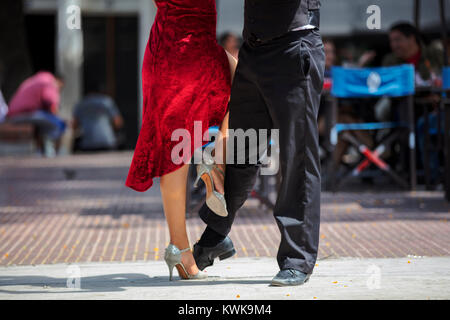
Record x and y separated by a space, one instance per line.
234 279
76 209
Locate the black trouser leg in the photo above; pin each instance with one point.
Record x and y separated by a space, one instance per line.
293 97
247 111
278 85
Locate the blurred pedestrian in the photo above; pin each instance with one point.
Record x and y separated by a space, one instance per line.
96 118
37 102
231 43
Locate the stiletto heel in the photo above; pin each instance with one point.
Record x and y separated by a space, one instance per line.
172 257
214 200
197 181
171 271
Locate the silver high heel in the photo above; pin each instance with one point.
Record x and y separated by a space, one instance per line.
214 200
172 257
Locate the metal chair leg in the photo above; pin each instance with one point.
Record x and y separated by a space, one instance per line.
374 159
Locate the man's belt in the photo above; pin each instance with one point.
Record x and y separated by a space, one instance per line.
314 21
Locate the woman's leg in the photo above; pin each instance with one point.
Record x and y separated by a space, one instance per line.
221 143
173 191
220 155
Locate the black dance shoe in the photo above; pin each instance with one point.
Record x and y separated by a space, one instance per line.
204 256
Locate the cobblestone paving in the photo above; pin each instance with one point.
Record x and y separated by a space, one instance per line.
77 209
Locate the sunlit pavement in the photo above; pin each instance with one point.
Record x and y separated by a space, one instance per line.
238 279
77 210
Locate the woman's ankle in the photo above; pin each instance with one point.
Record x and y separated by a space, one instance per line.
181 245
189 263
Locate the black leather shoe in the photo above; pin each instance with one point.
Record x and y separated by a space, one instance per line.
290 277
204 256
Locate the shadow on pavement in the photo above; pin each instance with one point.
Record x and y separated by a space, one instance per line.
109 283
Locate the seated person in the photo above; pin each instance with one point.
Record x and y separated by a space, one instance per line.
96 118
37 102
408 47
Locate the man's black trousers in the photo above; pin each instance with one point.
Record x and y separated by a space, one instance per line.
277 85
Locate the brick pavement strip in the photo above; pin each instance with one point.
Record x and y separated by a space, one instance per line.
77 209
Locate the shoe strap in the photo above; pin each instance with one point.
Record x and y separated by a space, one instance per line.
185 250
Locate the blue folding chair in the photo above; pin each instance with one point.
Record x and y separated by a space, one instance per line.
348 83
446 78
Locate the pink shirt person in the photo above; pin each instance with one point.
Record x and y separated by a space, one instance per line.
39 92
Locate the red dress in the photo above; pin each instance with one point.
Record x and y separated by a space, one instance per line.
185 78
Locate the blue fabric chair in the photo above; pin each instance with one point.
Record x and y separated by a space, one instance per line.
348 83
446 78
397 81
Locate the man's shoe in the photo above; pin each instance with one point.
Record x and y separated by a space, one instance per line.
204 256
290 277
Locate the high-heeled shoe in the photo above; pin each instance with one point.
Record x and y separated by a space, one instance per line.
214 200
172 257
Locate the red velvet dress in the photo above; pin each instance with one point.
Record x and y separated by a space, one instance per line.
185 78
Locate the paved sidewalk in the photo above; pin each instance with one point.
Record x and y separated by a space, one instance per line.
73 216
234 279
76 209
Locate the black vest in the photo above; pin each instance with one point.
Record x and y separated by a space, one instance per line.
267 19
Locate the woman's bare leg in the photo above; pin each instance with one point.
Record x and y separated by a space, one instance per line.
221 143
173 191
219 153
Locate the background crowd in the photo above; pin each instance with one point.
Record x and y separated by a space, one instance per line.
98 125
